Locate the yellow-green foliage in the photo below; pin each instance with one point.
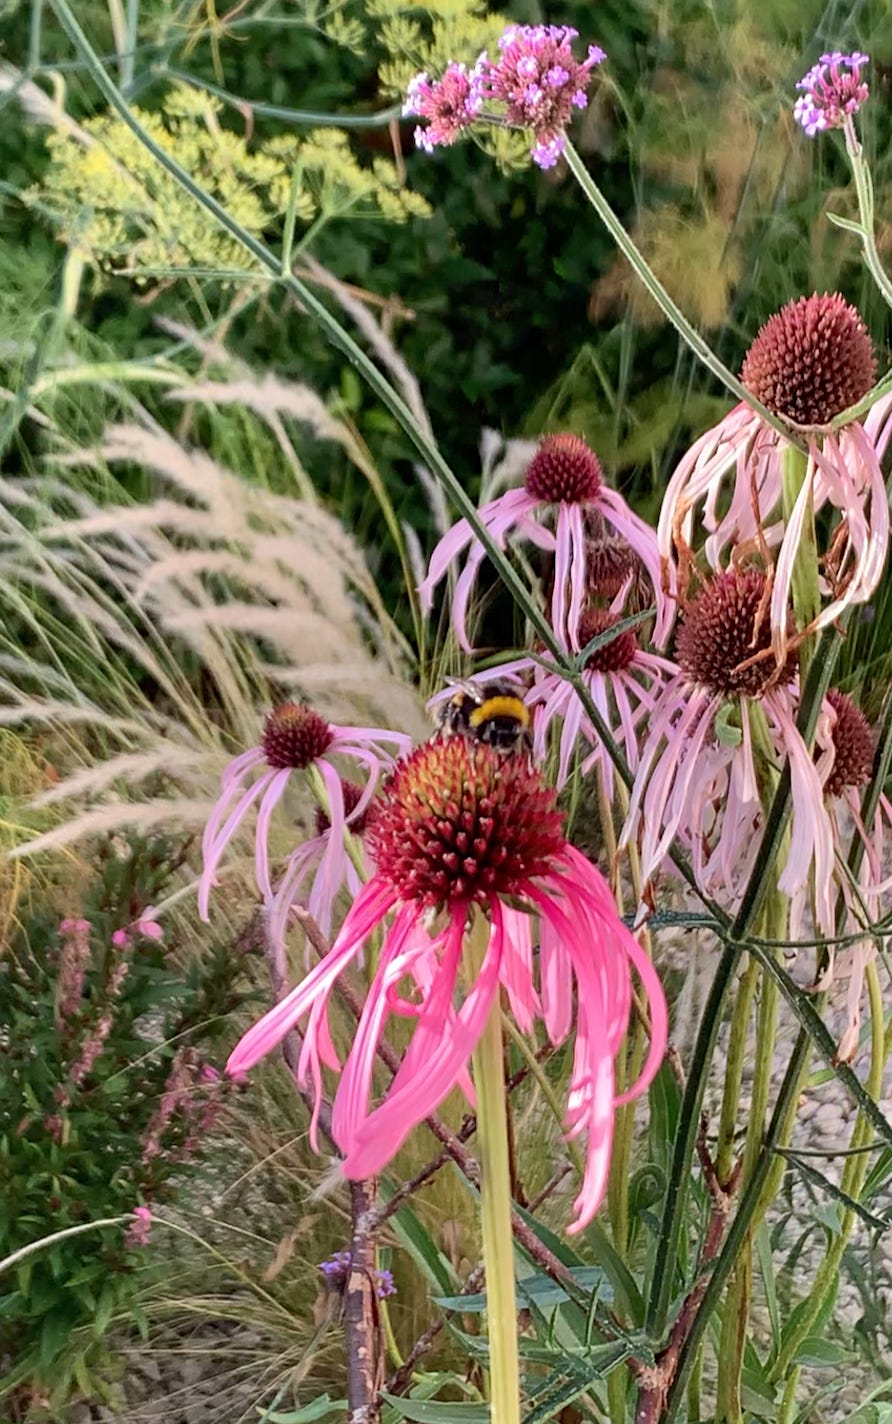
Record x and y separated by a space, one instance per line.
116 203
428 37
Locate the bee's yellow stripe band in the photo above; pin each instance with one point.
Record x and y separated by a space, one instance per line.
500 707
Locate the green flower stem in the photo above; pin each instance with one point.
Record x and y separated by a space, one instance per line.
495 1197
743 1006
737 1301
379 120
806 587
781 1118
864 191
655 288
663 1279
851 1182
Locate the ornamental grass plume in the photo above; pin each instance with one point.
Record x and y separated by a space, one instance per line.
462 831
564 477
297 739
810 362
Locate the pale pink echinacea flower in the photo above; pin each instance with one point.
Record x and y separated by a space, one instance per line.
701 773
462 830
623 680
809 363
564 476
297 739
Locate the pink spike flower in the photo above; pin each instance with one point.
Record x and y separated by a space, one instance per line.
833 91
704 773
460 830
845 745
296 739
563 477
810 362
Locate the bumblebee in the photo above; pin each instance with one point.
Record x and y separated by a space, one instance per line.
490 712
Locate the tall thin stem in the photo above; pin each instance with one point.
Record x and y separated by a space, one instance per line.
652 284
495 1197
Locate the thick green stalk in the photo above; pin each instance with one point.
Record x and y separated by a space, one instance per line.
737 1301
495 1198
805 586
740 1018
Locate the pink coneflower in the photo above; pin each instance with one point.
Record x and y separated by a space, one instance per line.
703 773
833 92
327 861
564 473
461 828
623 680
450 104
809 363
295 739
845 745
539 82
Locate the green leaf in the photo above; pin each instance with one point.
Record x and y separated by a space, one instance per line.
848 223
822 1353
433 1411
318 1409
877 1223
417 1240
766 1267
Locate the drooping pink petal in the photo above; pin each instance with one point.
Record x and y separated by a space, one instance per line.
216 839
448 1044
367 911
401 945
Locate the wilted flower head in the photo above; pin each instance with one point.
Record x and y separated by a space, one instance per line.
564 481
461 830
295 739
540 82
450 104
832 92
810 362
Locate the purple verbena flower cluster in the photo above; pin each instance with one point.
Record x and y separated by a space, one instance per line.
832 92
540 82
450 104
536 83
337 1268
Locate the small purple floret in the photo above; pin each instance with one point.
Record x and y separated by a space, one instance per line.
832 92
450 104
337 1268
